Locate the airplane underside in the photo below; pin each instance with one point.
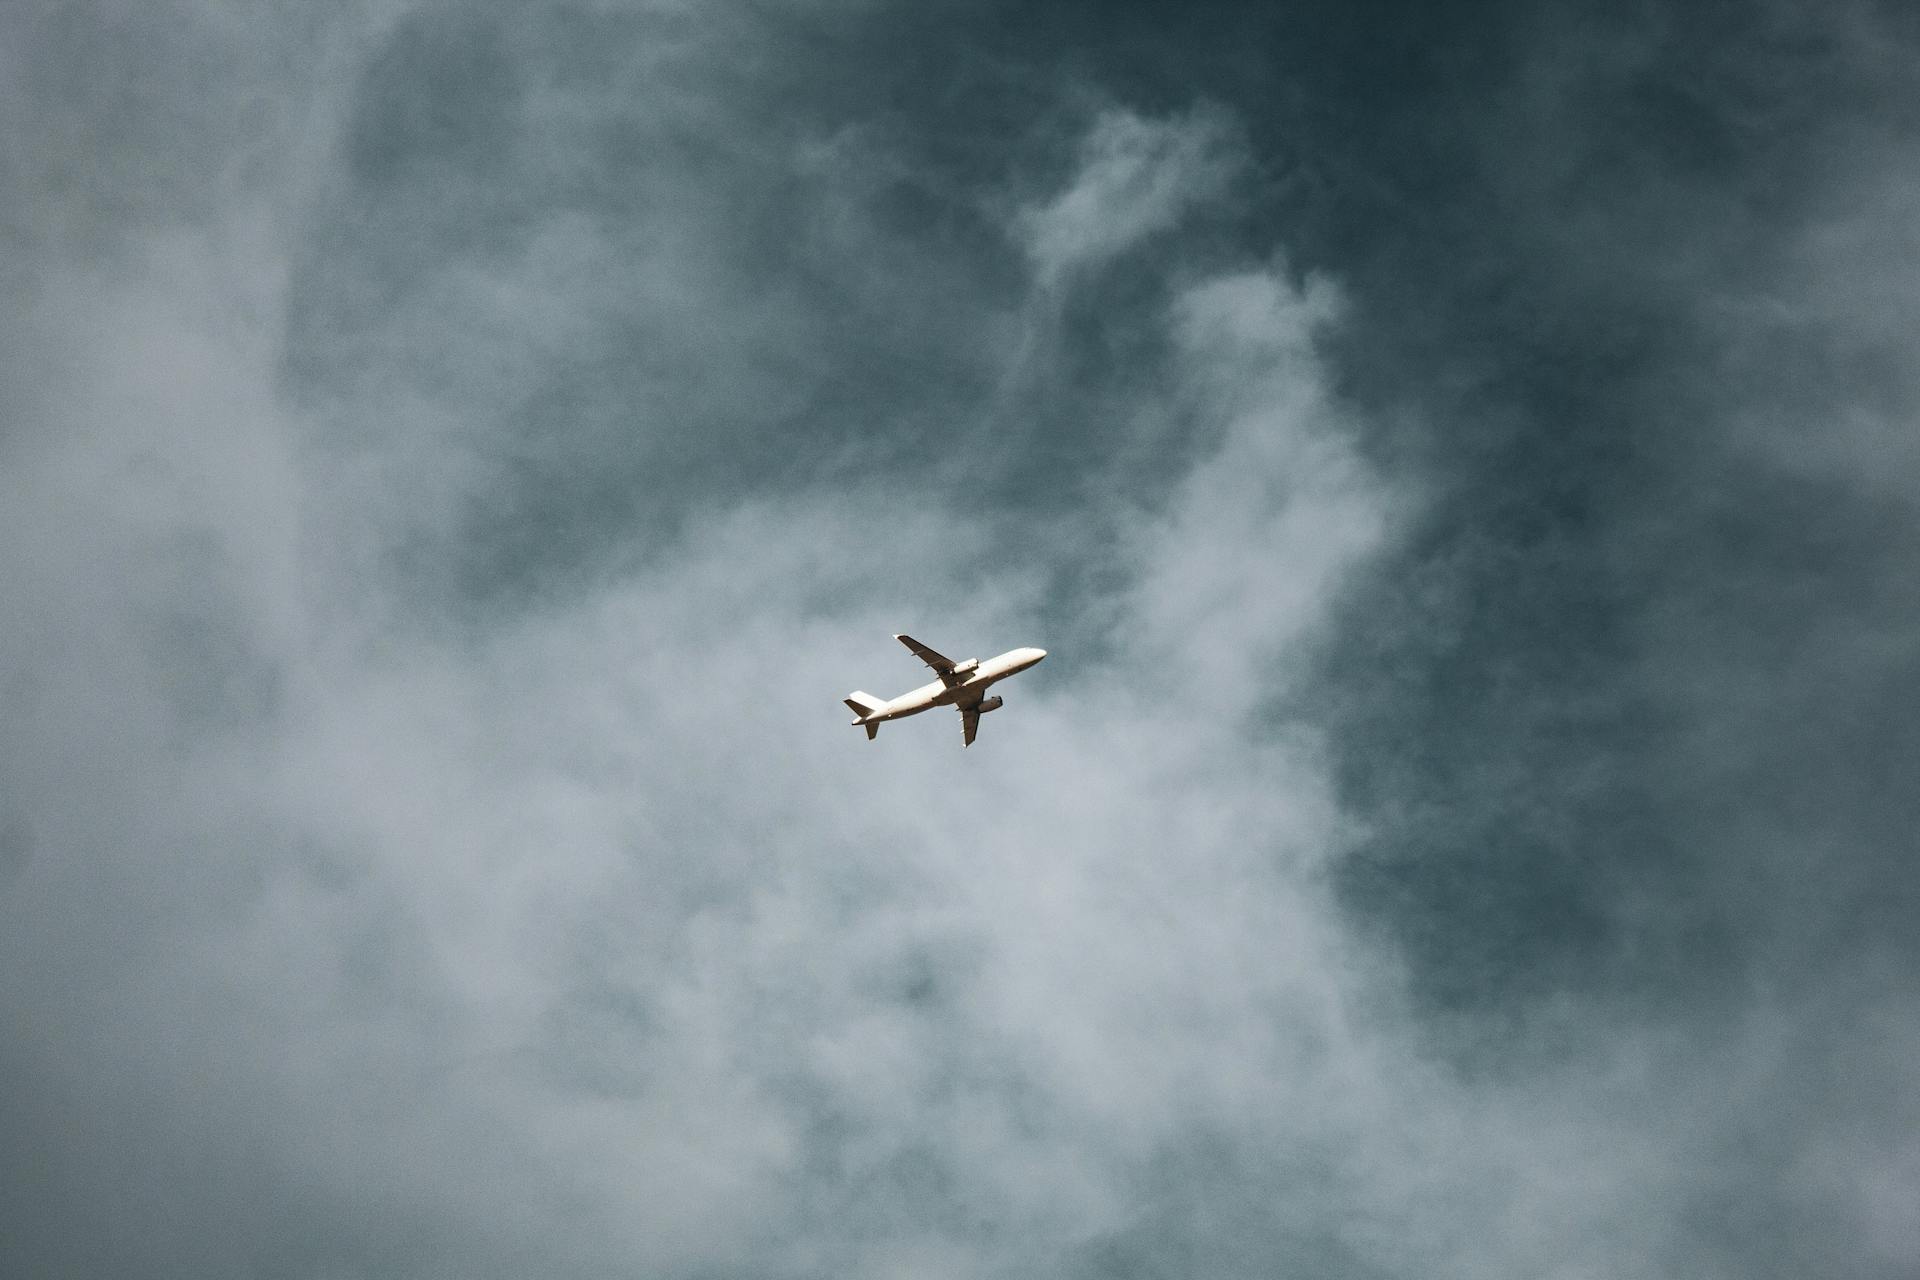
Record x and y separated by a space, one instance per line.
962 685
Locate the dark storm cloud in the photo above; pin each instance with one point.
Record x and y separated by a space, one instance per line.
740 282
1641 785
1659 540
1460 457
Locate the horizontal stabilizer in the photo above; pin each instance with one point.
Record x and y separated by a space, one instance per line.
863 705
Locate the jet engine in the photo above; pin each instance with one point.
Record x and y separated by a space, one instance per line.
991 704
964 668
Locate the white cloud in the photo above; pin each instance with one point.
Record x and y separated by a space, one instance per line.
591 936
1137 177
607 908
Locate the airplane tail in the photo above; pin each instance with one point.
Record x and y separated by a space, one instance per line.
863 705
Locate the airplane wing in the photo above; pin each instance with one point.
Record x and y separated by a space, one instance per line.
939 662
969 723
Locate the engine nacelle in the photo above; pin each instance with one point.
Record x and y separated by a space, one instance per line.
964 668
991 704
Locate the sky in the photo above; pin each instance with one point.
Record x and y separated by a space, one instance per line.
1460 457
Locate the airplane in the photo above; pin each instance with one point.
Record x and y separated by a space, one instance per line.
961 684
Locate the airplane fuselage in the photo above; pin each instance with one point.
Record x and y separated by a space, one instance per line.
969 689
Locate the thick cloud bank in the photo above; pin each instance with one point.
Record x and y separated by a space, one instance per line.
455 459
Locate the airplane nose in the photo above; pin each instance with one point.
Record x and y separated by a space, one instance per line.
1039 654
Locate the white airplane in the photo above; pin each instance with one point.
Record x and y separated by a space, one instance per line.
961 684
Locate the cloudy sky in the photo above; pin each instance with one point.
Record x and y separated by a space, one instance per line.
1461 458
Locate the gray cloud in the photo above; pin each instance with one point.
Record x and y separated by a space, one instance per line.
1135 178
445 505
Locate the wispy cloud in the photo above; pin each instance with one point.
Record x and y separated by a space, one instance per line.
1136 177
